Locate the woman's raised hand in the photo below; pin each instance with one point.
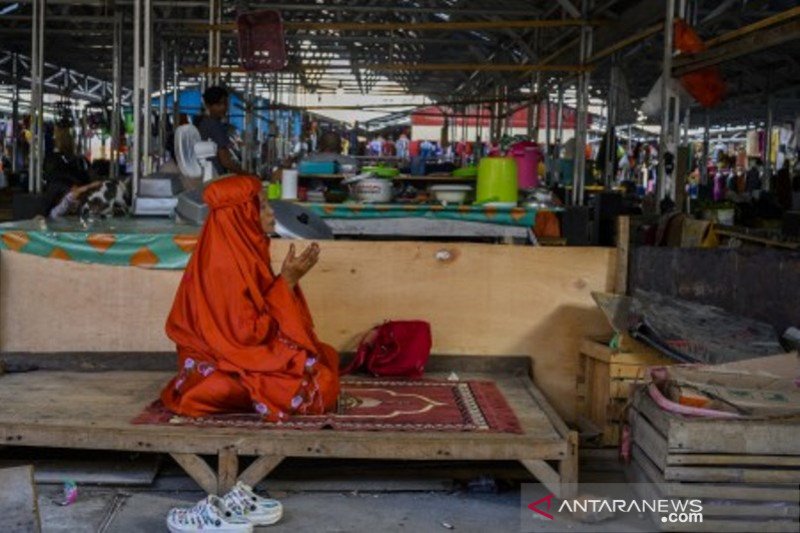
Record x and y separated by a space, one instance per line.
296 266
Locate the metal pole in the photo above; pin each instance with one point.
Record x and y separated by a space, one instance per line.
579 173
611 122
136 148
676 139
36 155
559 129
704 161
247 152
666 76
547 132
176 95
767 160
40 102
148 86
214 41
162 102
115 95
32 109
15 115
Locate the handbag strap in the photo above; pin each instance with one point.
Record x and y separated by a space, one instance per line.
361 353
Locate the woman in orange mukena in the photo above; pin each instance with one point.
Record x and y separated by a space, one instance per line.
245 336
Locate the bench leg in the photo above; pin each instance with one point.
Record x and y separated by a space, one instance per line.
260 469
198 470
228 470
564 482
568 467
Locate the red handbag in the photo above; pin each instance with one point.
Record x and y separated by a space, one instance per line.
394 349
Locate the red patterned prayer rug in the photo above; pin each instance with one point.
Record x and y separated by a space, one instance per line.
381 405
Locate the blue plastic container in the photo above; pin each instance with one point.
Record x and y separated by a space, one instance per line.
317 167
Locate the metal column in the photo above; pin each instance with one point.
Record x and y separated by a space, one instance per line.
666 77
579 173
559 130
116 103
36 152
214 41
136 148
547 135
611 122
768 145
15 114
176 96
704 161
249 141
148 86
162 103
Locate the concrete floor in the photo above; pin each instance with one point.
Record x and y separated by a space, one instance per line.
338 505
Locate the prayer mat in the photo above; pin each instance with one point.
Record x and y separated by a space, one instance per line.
380 405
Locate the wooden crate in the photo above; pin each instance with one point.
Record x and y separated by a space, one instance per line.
605 378
746 472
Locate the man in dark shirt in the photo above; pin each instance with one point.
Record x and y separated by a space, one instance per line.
212 128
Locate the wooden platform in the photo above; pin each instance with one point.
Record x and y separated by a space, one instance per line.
92 410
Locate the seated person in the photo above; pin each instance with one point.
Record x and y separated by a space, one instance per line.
67 177
245 337
330 149
213 128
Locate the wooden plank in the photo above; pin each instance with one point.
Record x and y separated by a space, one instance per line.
624 371
633 352
714 510
730 474
538 302
650 411
620 389
545 407
259 469
596 350
746 436
19 507
227 469
94 409
623 245
545 474
568 468
717 491
198 470
648 439
599 394
732 459
610 435
645 358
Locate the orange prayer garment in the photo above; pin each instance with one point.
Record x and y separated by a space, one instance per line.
245 339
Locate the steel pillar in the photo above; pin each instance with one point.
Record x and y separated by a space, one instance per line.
15 114
585 52
36 152
116 103
666 76
768 146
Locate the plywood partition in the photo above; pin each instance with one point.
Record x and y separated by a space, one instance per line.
479 299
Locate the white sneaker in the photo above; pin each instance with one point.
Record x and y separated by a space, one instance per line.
209 515
242 502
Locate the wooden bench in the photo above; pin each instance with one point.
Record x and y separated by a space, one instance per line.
93 410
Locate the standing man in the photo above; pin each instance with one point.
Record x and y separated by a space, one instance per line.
213 128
